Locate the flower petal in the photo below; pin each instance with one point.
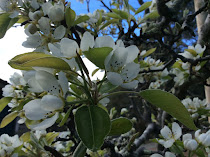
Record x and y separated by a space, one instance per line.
51 103
166 132
45 124
104 41
69 47
169 143
48 82
114 78
133 52
169 154
59 32
63 81
33 110
176 129
87 41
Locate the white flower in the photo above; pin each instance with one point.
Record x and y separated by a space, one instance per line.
170 137
55 12
194 52
8 144
189 143
10 6
121 70
167 154
39 109
203 138
44 25
8 91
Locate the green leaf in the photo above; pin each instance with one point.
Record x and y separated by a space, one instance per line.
70 16
80 150
107 87
150 51
120 126
25 137
82 18
193 52
5 23
4 101
109 22
152 16
98 55
8 119
51 136
37 59
171 104
114 15
143 7
92 124
121 13
95 71
65 118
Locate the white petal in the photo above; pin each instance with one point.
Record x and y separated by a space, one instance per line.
166 132
63 81
34 85
169 154
45 124
130 85
120 43
33 110
199 49
56 12
48 82
187 137
59 32
104 41
46 7
130 71
133 52
191 144
156 155
87 41
69 47
176 129
114 78
169 143
44 24
55 49
51 103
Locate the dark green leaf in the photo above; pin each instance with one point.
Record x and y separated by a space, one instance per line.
114 15
98 55
152 16
109 22
120 126
80 150
92 124
169 103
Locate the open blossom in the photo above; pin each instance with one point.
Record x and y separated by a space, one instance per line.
8 144
193 52
170 136
203 138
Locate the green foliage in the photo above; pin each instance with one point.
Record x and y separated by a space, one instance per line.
5 23
4 101
8 119
80 150
37 59
152 16
169 103
98 55
120 126
143 7
70 16
92 124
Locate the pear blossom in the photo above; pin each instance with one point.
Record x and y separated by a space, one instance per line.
8 144
40 109
167 154
194 52
203 138
10 6
189 143
55 12
170 136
